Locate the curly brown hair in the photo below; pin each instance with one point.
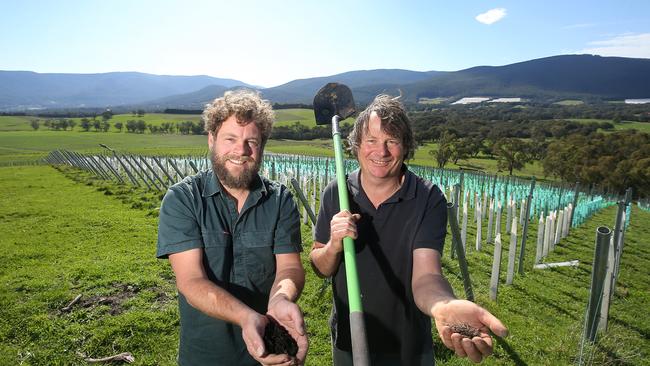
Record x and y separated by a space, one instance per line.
394 122
246 105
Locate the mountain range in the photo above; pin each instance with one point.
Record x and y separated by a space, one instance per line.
566 76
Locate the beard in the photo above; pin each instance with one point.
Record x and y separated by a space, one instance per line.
245 177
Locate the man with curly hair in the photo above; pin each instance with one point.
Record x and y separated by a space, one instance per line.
233 240
399 222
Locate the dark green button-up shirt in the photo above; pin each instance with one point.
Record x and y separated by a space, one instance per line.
238 255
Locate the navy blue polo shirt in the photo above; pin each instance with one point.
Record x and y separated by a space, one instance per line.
414 217
238 255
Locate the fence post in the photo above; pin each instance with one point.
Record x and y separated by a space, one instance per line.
575 203
496 268
479 224
128 172
457 244
98 163
511 252
143 173
126 158
178 171
111 168
603 237
525 230
303 200
169 177
490 220
153 172
619 241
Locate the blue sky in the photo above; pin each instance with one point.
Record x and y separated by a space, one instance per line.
272 42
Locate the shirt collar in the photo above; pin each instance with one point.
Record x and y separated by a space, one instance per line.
212 185
406 192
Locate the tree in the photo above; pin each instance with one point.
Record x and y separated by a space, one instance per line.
119 126
107 114
105 126
71 123
97 125
445 149
512 154
131 126
615 161
35 124
85 124
141 126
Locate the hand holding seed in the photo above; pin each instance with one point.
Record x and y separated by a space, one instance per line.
464 327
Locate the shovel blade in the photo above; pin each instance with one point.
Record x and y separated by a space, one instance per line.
333 99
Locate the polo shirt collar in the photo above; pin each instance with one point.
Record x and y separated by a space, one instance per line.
406 192
213 186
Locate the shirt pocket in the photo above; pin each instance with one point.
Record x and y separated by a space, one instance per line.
259 258
218 255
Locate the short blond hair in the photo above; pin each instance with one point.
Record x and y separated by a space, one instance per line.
246 105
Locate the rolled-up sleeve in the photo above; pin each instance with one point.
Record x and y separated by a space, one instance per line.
178 229
287 232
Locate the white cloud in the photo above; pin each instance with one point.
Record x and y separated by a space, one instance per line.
627 45
491 16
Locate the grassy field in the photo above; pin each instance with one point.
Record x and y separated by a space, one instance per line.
284 117
570 102
65 234
22 146
623 125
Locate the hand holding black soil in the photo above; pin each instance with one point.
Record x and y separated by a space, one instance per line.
466 330
277 340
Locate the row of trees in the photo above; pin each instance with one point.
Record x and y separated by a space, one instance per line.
615 161
511 153
132 126
530 111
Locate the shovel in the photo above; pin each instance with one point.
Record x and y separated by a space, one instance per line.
332 104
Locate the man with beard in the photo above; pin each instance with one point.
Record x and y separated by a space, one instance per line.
233 241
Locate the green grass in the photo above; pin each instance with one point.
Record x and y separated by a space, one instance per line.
570 102
623 125
25 146
66 234
481 162
16 123
19 146
284 117
433 100
62 238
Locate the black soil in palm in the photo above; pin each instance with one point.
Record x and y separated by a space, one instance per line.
277 340
465 330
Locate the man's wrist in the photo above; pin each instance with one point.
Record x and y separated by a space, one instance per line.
277 298
244 314
438 304
330 249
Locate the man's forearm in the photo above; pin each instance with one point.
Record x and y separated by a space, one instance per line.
430 289
324 259
288 284
214 301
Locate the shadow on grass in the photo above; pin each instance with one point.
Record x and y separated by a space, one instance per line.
614 358
545 301
514 356
644 333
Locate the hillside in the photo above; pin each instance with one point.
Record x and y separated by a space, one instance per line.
29 90
583 77
558 76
